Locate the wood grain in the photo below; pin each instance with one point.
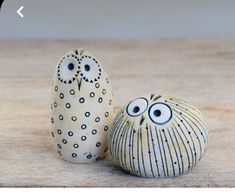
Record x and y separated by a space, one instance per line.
202 72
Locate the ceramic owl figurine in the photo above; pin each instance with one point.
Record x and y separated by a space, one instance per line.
158 136
82 107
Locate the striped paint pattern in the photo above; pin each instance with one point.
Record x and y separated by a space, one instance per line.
146 148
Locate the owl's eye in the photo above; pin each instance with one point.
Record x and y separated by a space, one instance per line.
68 69
160 113
137 107
90 69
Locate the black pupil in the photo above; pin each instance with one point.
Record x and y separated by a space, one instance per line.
87 67
157 113
136 109
71 66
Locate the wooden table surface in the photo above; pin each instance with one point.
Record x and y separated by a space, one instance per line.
201 72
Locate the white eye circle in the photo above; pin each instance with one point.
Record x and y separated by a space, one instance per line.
68 69
137 107
90 69
160 113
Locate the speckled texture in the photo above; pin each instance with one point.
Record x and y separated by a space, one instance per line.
158 136
82 108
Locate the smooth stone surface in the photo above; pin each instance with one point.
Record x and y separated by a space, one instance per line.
199 71
81 109
157 136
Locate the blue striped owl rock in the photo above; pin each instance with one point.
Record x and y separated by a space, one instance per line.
157 136
82 108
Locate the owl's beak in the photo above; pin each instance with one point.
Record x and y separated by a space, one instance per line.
142 120
79 84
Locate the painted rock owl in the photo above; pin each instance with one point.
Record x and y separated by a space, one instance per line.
158 136
82 107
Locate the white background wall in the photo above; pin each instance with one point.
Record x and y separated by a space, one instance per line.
117 19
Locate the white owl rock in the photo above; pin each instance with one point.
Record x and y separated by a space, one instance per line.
82 108
157 136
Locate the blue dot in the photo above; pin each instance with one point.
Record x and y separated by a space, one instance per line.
87 67
157 113
71 66
136 109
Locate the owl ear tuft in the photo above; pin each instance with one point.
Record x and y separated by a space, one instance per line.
81 51
76 51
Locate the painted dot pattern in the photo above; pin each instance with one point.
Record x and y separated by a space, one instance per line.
88 65
61 96
94 131
83 138
92 94
97 85
100 100
97 119
74 155
72 92
104 91
75 145
87 114
64 141
80 108
68 105
71 68
81 100
59 131
74 118
106 128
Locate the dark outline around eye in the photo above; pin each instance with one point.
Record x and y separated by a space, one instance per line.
134 101
155 121
68 81
82 74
